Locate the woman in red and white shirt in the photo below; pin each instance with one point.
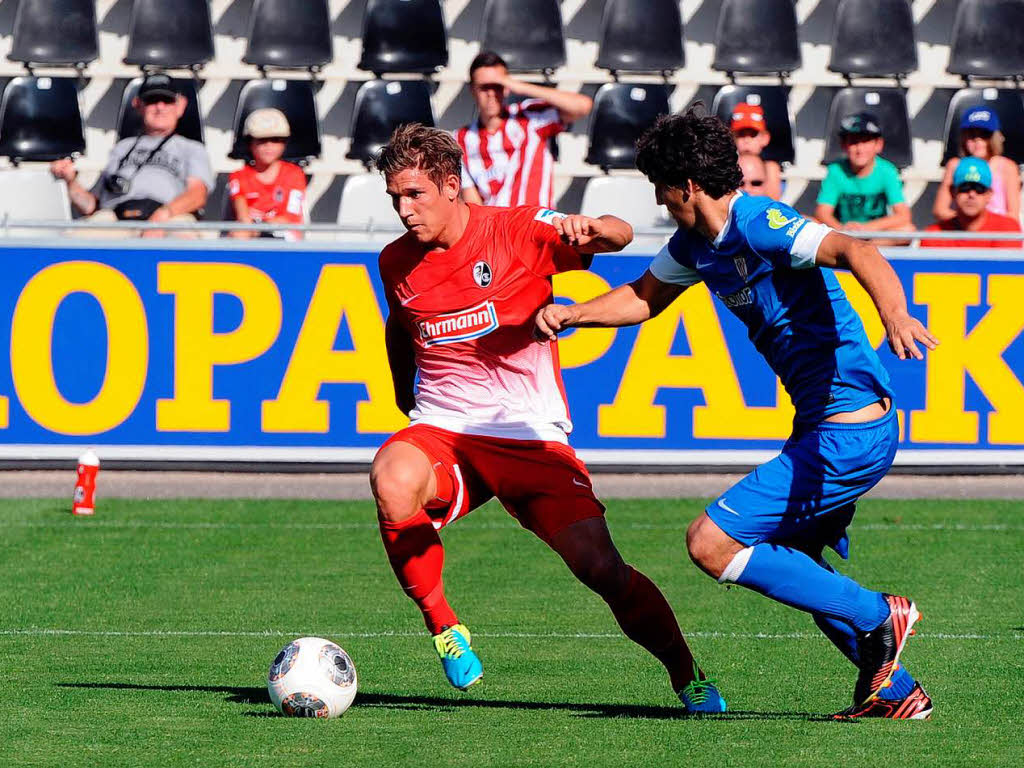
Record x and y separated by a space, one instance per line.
269 189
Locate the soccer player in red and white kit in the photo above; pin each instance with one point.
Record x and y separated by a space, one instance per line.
506 158
488 410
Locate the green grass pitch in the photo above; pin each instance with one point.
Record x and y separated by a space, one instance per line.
142 638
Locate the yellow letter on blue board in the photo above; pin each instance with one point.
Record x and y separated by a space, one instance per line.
343 293
197 349
32 341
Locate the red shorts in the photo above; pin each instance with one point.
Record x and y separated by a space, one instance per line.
541 484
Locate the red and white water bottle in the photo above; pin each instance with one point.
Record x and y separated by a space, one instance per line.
84 502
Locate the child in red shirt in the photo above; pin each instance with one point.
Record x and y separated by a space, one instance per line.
269 190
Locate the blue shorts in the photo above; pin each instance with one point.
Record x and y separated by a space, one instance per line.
805 496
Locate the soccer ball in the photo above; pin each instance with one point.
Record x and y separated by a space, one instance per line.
312 677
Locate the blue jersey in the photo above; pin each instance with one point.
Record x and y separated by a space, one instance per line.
762 267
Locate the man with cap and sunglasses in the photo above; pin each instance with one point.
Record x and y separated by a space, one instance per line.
750 131
268 189
864 191
972 192
156 176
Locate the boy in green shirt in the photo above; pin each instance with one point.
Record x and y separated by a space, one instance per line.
863 192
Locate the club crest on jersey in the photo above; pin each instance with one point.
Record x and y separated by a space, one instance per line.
741 267
482 274
468 324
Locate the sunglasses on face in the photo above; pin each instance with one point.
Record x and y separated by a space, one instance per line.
754 182
971 186
147 100
271 140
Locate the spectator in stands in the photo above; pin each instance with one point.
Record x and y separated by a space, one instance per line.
506 158
748 128
269 189
972 193
981 137
864 191
755 175
156 176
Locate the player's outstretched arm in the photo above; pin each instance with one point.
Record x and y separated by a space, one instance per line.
629 304
873 272
402 360
605 234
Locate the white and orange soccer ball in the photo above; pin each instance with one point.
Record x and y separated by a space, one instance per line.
312 677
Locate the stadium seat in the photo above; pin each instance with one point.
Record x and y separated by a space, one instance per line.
757 36
988 39
631 198
404 36
190 126
889 105
383 105
365 204
170 35
32 193
527 34
1008 103
641 36
294 98
874 38
40 119
773 99
284 33
623 111
55 32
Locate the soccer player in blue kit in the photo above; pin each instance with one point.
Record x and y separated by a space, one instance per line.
764 262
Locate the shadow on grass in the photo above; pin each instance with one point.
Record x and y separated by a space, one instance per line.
249 695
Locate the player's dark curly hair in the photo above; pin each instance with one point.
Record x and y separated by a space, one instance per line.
431 150
693 145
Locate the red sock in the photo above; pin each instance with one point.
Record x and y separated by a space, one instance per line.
417 557
647 619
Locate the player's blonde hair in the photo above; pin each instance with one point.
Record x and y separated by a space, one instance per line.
430 150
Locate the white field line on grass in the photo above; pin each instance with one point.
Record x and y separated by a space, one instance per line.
93 523
167 633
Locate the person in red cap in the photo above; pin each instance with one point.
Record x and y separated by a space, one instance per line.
751 134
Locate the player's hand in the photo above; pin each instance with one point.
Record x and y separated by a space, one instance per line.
903 331
553 319
577 230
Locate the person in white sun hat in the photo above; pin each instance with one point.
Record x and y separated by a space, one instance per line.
268 189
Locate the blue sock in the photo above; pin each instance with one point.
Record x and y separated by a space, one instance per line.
795 579
902 685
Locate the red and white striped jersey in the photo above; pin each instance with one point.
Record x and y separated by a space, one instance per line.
470 313
512 165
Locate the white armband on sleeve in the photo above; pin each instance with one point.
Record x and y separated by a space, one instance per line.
668 270
804 251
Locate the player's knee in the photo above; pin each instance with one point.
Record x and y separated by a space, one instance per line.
398 486
702 547
604 573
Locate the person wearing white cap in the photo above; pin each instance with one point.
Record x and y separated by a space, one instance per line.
268 189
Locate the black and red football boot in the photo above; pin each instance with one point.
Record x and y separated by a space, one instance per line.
879 650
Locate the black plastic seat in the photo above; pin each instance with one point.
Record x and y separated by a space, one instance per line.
774 100
55 32
284 33
40 119
641 36
382 106
757 36
527 34
294 98
170 34
889 105
988 39
404 36
874 38
1008 103
129 123
623 111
